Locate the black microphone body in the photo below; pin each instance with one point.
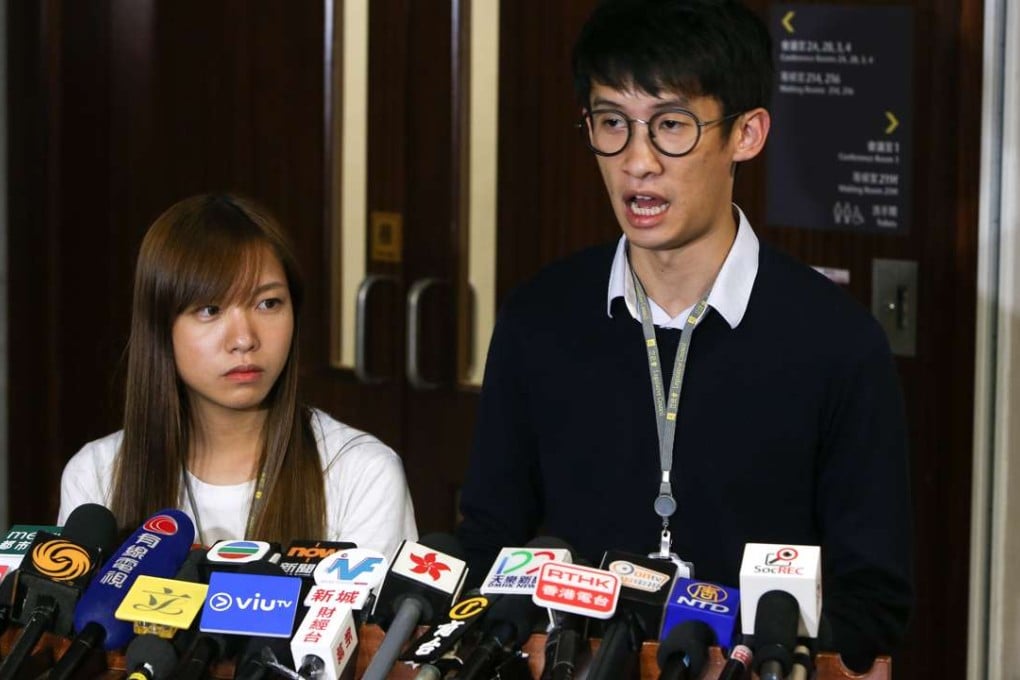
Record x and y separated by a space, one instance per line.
738 663
620 641
408 601
775 634
150 657
507 627
53 576
644 593
684 651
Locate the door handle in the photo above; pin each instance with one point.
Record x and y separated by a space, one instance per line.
414 296
361 329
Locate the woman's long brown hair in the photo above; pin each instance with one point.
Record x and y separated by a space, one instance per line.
208 249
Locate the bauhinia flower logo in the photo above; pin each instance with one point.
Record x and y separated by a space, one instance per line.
428 565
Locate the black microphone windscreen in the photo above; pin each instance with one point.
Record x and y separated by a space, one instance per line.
92 525
519 612
690 639
159 654
775 622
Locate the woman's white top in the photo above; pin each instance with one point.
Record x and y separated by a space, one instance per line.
367 499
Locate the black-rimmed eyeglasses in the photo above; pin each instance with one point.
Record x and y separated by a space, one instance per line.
673 132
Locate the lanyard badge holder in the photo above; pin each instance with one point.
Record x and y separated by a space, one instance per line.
665 416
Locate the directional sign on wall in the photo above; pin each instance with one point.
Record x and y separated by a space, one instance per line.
840 151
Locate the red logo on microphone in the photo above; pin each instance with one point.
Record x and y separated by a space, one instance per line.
428 565
161 524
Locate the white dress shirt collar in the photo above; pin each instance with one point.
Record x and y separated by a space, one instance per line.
730 293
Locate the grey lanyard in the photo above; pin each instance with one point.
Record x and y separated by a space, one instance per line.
665 412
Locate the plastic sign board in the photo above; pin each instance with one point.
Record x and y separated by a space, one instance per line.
338 594
329 633
355 567
437 570
796 569
16 543
251 604
515 571
162 602
578 590
711 603
440 639
302 557
237 552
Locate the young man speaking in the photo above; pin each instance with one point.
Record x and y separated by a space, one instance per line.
689 385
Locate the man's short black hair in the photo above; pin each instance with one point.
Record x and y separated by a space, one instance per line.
691 47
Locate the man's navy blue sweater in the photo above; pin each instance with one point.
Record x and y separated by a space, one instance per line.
790 430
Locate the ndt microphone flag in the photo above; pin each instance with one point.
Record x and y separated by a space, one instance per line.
710 603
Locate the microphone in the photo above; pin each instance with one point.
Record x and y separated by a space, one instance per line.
423 579
162 611
508 626
324 643
259 601
150 657
645 587
738 663
775 634
203 647
684 650
53 577
713 604
157 548
803 666
163 607
571 592
432 651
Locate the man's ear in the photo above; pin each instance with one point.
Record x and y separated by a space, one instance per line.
749 134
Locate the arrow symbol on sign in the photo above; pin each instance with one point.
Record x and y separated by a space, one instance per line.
893 122
788 21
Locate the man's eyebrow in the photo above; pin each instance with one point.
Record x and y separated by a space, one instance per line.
673 102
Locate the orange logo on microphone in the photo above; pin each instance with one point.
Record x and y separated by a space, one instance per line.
707 592
61 560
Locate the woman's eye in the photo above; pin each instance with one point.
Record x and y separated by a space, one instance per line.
207 311
270 303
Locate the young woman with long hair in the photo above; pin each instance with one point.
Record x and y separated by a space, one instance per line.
212 420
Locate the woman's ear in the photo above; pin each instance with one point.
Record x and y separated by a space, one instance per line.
749 134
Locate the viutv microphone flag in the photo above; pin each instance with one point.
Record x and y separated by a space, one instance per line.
251 604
